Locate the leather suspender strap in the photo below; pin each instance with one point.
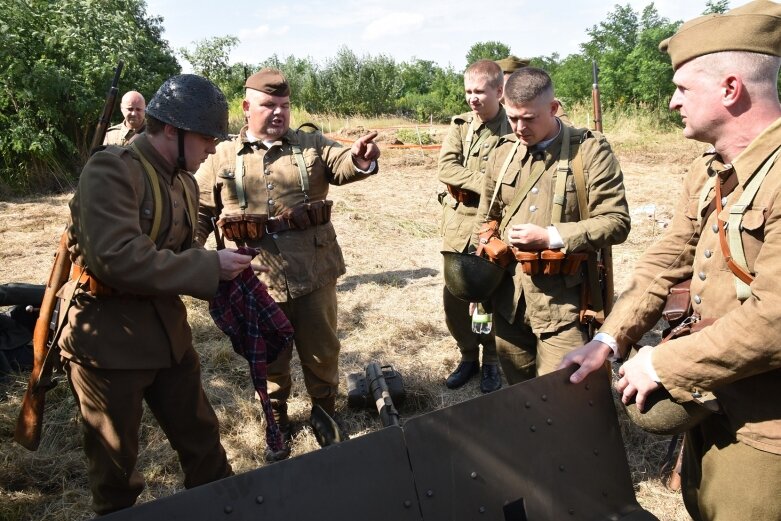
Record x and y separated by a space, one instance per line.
562 171
157 197
502 172
302 175
733 248
241 194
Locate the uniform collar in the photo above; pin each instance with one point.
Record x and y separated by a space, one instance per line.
755 154
244 144
158 162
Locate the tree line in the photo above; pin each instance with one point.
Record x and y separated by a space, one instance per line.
57 60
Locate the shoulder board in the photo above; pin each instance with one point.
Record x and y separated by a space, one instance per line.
115 150
462 118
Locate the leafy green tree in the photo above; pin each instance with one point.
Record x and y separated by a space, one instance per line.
716 6
56 62
211 58
491 50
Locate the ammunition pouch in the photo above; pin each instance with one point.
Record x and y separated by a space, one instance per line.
678 305
549 262
491 247
249 226
466 197
94 286
243 227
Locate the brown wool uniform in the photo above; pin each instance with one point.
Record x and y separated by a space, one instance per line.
537 316
738 357
304 263
120 134
462 164
136 344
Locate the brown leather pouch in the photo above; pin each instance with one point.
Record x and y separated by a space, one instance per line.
551 261
572 262
319 212
243 227
497 251
300 216
529 261
679 304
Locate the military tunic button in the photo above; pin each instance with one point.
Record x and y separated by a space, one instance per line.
485 158
147 211
271 202
532 208
697 299
270 186
485 145
707 254
715 228
176 204
723 201
702 275
535 190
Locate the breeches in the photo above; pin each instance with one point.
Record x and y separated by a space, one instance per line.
726 480
459 323
524 355
110 402
314 320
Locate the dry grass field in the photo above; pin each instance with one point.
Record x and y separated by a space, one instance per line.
389 311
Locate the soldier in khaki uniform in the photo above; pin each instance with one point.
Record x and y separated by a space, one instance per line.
126 339
537 315
726 69
133 107
463 160
279 178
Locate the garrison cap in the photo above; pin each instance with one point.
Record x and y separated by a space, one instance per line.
754 27
512 63
268 80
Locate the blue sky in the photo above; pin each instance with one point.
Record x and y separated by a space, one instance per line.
437 30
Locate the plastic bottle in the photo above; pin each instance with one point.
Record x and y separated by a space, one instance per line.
481 320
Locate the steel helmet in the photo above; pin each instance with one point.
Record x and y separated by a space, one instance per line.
191 102
663 415
471 277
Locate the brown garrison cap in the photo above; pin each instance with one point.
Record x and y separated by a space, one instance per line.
754 27
268 80
512 63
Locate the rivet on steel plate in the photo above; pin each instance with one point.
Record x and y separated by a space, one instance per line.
549 421
259 500
544 397
481 510
429 493
528 405
407 503
572 511
533 428
473 475
591 403
596 452
228 509
561 468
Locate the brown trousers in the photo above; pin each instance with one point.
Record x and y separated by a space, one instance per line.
314 320
110 402
524 355
726 480
459 323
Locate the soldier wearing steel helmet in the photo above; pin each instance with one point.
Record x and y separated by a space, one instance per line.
723 238
125 339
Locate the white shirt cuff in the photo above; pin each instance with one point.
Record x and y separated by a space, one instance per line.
649 369
370 170
554 238
611 343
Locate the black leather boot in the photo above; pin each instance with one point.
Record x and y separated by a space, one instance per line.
463 373
490 379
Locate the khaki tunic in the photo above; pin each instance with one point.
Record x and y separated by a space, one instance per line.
458 220
301 261
145 327
738 357
120 134
551 303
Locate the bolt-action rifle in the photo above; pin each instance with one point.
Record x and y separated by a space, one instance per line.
606 253
48 326
108 110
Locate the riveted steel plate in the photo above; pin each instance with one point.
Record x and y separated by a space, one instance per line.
540 450
365 478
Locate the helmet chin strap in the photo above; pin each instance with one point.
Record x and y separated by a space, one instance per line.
180 161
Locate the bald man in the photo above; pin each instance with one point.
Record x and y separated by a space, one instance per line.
133 109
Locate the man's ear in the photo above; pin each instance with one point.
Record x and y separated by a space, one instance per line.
732 89
554 107
170 131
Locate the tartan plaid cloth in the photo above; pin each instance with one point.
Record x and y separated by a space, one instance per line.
258 331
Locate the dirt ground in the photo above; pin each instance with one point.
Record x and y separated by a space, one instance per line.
389 311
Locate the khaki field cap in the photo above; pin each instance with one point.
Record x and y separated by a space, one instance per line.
268 80
512 63
754 27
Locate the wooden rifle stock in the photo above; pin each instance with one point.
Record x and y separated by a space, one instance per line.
595 101
108 109
28 427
